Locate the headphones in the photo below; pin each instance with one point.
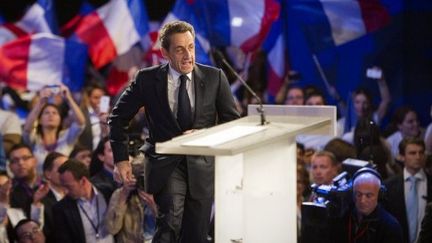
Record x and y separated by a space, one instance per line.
372 171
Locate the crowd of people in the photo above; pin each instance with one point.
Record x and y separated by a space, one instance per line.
57 163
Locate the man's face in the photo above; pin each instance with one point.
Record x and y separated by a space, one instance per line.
295 96
30 232
366 197
315 100
95 97
52 175
107 156
323 171
84 156
414 157
75 188
22 163
181 52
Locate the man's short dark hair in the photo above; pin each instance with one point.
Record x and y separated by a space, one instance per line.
172 28
49 160
20 146
406 141
76 168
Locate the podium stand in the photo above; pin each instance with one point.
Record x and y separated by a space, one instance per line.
255 174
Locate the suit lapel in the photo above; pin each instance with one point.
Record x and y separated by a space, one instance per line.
198 78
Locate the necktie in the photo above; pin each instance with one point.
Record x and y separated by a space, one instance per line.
412 208
184 111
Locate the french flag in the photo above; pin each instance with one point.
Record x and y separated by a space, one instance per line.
244 24
275 48
187 10
33 61
37 19
112 29
341 21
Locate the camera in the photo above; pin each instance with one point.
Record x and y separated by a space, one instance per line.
140 184
55 89
330 205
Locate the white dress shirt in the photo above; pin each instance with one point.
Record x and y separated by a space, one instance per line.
173 90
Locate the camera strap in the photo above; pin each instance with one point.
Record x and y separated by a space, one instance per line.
359 232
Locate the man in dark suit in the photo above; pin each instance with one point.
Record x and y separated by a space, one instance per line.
178 98
95 128
412 152
78 217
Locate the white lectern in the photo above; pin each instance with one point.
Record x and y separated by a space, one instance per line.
255 173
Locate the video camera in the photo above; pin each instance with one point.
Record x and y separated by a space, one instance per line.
330 204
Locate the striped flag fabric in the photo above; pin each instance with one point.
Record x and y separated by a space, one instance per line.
112 29
244 24
37 19
33 61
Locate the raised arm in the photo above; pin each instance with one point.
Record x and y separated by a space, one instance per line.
35 111
385 97
77 114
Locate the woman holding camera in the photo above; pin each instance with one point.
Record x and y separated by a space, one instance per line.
43 129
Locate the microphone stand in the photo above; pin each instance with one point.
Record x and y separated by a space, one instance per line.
260 109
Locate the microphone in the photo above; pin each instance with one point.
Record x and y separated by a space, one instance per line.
260 109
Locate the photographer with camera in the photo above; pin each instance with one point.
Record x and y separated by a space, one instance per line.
131 212
367 221
43 129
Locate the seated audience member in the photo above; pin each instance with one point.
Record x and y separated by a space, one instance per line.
407 124
96 127
82 154
341 149
425 235
363 107
79 215
290 95
314 97
10 129
56 191
26 185
367 221
43 127
29 231
6 234
379 156
324 168
131 212
103 180
409 192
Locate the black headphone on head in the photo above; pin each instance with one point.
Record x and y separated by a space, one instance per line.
372 171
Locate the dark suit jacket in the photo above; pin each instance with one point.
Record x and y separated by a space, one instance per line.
67 220
104 182
395 200
426 226
214 104
49 227
68 223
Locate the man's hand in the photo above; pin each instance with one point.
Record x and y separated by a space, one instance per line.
123 172
40 193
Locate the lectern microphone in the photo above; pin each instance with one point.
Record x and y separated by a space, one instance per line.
260 109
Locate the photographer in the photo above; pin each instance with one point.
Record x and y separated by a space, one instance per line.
367 221
131 212
43 129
